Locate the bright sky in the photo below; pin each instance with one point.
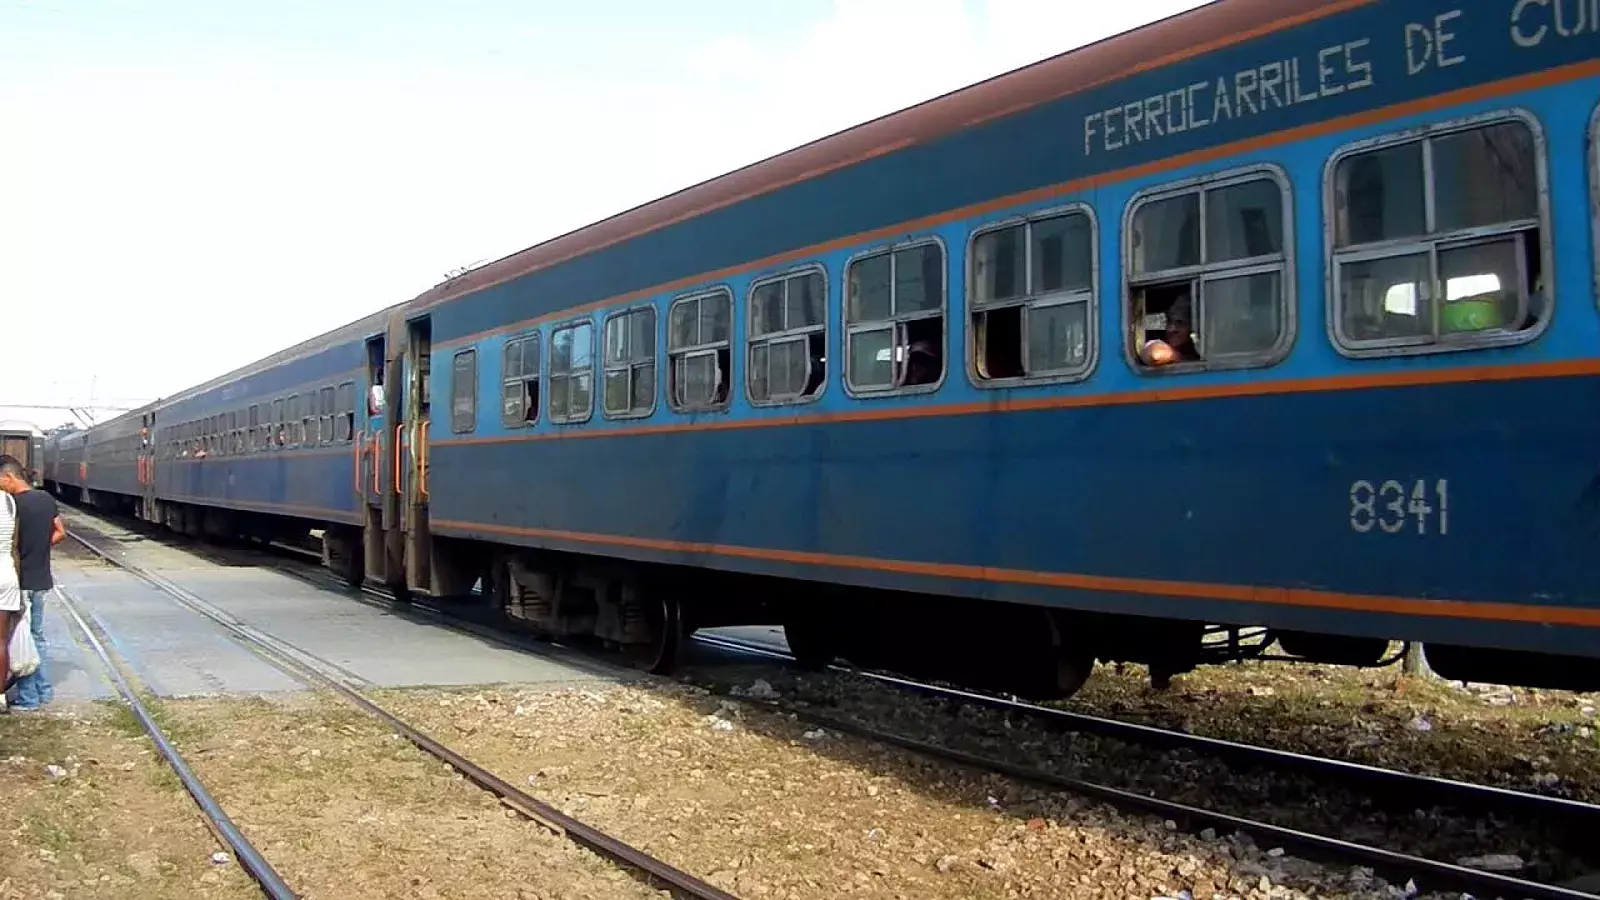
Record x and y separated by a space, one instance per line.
189 185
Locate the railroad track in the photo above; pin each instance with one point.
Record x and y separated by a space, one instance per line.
1397 787
1428 874
313 670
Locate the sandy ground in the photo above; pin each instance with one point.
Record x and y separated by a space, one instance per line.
346 809
764 806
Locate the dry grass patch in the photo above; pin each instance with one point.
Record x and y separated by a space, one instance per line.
90 811
1543 741
345 809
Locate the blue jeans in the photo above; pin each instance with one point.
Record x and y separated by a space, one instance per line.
35 689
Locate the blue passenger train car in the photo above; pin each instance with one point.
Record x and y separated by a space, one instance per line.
1278 313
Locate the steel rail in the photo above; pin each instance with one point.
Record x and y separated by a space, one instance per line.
586 835
1430 875
1433 788
272 884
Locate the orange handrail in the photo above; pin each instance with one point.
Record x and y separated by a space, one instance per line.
356 448
421 442
399 431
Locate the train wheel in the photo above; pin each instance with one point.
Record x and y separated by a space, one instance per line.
660 654
1060 668
1074 656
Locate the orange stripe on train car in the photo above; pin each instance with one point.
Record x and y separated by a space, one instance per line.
1367 381
1305 597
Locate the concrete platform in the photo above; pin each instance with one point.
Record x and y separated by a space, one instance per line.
176 652
74 671
383 647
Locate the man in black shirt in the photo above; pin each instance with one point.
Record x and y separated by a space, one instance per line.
38 529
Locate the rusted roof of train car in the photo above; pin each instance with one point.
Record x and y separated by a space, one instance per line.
1213 26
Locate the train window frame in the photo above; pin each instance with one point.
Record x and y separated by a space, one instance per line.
345 402
1284 262
895 323
570 372
327 399
678 356
463 404
527 401
1030 299
628 366
786 335
294 413
1431 241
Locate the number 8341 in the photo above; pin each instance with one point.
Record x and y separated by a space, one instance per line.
1394 506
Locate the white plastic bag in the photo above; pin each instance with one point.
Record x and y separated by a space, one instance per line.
24 652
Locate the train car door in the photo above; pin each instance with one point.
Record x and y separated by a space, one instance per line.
368 439
147 467
15 445
386 393
414 453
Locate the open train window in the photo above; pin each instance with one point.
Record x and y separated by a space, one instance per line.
1440 239
345 427
1208 274
699 351
572 373
463 392
629 389
894 319
301 427
1032 298
519 381
325 403
788 349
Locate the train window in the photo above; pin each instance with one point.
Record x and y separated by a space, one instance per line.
327 398
463 392
894 319
1209 279
699 351
1032 297
255 428
299 427
519 381
345 427
787 355
629 390
572 373
279 429
1439 239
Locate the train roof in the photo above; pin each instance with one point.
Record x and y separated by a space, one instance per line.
356 330
1213 26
